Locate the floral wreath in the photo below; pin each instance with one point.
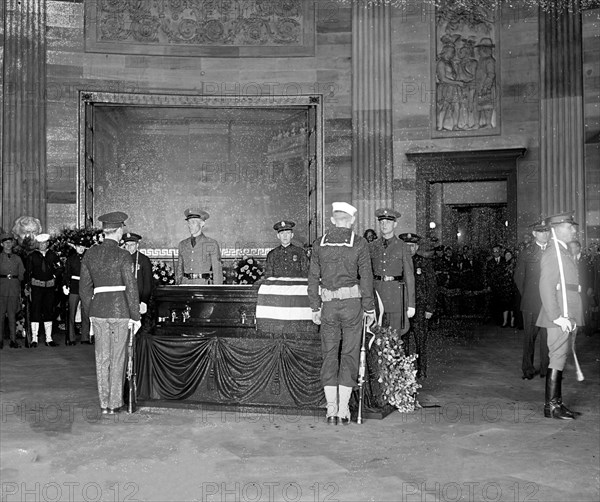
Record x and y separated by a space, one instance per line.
163 274
397 373
247 271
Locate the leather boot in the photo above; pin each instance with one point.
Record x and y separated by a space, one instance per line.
552 408
564 409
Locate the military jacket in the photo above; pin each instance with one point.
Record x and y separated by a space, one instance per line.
142 269
42 267
527 278
289 261
72 273
551 290
425 283
203 258
109 265
340 259
393 260
11 265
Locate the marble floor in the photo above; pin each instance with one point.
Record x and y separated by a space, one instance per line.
480 436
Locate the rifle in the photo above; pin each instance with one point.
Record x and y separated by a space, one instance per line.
563 289
362 369
27 326
131 376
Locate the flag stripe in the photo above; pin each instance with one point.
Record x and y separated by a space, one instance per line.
284 313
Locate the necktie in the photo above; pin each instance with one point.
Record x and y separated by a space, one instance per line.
193 241
385 243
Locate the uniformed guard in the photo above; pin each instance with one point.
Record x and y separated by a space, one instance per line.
393 272
560 325
142 269
286 260
109 293
425 301
41 275
527 279
71 289
199 256
12 273
341 267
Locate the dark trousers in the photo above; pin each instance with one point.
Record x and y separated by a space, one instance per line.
341 321
420 331
9 305
529 339
85 320
42 304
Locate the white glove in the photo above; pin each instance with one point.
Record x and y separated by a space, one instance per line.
316 317
371 318
135 325
428 315
410 312
143 308
565 324
66 290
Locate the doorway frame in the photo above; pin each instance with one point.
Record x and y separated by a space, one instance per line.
460 166
314 162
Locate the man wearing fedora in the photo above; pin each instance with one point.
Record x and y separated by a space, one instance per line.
71 289
199 256
109 293
527 279
393 272
560 320
142 269
12 273
340 293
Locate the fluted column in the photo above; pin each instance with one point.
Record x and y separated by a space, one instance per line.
24 111
372 168
562 171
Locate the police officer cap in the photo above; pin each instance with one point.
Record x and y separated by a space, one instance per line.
42 237
194 212
557 219
115 219
344 207
410 238
282 225
387 214
131 237
6 237
540 226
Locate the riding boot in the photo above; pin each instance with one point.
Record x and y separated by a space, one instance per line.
552 408
564 409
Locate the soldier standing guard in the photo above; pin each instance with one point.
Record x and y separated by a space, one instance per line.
561 325
41 271
425 299
286 260
198 254
71 289
341 267
12 273
527 279
109 293
142 269
393 272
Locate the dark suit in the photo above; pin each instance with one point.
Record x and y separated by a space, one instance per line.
142 269
527 279
71 280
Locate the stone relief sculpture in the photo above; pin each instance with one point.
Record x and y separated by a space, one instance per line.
466 87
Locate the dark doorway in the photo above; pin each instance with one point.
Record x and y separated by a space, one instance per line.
479 226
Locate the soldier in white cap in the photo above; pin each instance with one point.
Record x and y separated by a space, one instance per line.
109 293
340 265
199 256
42 269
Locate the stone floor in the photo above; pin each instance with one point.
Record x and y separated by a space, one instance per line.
486 440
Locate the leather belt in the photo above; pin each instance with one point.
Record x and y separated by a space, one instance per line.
109 289
340 293
42 284
8 276
197 276
388 278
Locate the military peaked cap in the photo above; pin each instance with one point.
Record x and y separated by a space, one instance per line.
194 212
6 237
387 214
115 219
282 225
410 238
557 219
131 237
540 226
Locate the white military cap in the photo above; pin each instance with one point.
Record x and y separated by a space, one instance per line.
42 237
344 207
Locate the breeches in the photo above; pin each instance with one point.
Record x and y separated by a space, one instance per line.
341 321
9 305
559 347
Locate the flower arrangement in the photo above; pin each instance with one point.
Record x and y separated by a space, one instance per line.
163 274
247 271
397 372
62 243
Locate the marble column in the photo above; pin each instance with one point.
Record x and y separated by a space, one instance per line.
562 171
24 111
372 168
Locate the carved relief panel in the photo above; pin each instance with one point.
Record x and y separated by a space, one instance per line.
465 71
223 28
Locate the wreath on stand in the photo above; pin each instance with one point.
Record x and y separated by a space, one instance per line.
247 271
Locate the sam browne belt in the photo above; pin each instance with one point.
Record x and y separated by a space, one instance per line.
197 276
388 278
